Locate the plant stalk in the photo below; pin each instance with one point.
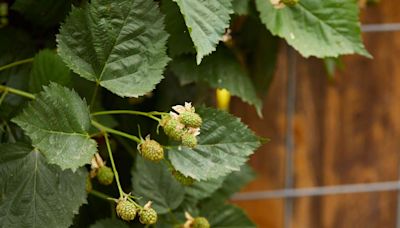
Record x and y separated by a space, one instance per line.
16 63
121 192
116 132
7 89
130 112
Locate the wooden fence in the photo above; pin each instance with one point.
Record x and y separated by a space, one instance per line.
331 133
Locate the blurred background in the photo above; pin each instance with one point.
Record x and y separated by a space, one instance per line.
333 158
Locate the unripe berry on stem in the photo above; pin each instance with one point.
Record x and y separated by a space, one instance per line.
126 210
151 149
200 222
148 215
105 175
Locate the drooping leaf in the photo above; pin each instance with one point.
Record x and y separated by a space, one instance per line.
224 145
219 70
203 189
232 184
43 13
120 44
34 193
48 67
57 121
109 223
153 182
179 41
259 50
316 28
206 21
226 216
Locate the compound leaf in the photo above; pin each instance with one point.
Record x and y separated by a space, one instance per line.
206 21
57 121
316 28
119 44
34 193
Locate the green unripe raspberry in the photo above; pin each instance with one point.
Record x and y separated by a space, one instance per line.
172 128
190 119
105 175
126 210
148 216
200 222
151 150
184 180
189 140
290 2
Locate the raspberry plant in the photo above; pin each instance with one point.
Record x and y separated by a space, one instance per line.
81 81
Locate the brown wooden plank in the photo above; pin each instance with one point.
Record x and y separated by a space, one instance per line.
386 11
348 131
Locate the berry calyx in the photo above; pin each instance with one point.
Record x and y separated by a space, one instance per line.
172 127
189 140
184 180
148 215
105 175
200 222
151 149
126 210
190 119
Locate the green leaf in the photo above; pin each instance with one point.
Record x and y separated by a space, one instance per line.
57 121
232 184
259 49
43 13
179 41
241 7
203 189
108 223
226 216
316 28
206 21
34 193
153 182
48 67
219 70
224 145
120 44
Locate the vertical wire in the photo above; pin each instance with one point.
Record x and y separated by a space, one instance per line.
289 142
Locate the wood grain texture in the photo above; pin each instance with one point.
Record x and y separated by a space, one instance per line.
346 131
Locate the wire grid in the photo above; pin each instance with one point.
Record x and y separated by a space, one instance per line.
289 193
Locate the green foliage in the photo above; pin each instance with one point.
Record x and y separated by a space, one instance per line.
34 193
220 70
206 21
228 148
118 44
335 27
48 67
153 182
57 121
106 50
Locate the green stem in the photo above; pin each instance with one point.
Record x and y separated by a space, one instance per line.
7 89
121 193
130 112
116 132
3 96
16 63
101 195
94 95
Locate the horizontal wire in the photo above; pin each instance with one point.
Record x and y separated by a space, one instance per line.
388 27
319 191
